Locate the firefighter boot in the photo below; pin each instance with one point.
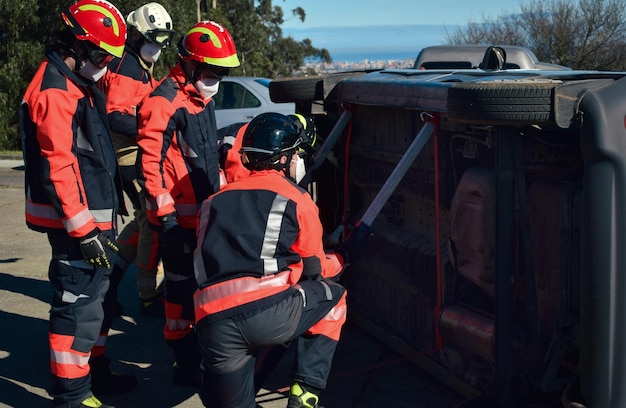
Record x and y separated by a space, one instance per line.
93 402
300 397
89 402
104 381
186 376
186 370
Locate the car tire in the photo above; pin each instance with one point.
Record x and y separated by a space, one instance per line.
299 89
497 103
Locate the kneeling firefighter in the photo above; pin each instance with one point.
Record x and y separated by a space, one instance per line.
263 276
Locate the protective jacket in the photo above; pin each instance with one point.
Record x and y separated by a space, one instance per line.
178 144
127 81
233 168
264 237
70 163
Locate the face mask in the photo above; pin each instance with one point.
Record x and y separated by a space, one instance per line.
207 87
297 169
90 71
150 52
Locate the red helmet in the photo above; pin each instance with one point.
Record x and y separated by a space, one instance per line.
98 22
209 43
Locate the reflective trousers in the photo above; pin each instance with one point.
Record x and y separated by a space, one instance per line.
77 318
230 347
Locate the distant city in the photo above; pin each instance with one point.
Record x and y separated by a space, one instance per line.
366 64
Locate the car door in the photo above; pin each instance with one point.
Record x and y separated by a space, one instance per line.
235 102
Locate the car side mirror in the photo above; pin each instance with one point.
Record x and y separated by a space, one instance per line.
494 59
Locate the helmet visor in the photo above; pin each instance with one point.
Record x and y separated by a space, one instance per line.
212 71
162 38
99 57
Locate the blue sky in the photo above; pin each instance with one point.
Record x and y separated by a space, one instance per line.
375 26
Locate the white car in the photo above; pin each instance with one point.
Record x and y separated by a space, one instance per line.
242 98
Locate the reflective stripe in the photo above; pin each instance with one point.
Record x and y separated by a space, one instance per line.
41 211
69 297
241 285
223 181
163 200
186 149
235 292
327 291
175 326
330 325
229 140
178 324
81 140
272 233
65 362
77 221
102 215
68 358
198 263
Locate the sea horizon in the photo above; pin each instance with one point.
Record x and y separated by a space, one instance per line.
374 56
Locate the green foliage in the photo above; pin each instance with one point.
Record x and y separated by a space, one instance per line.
582 34
254 25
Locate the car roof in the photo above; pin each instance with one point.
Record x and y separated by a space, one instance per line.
470 56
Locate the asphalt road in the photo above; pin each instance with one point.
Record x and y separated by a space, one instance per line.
365 373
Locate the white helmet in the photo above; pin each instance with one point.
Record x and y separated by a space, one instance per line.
153 22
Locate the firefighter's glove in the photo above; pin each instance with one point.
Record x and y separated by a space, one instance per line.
170 233
351 248
93 246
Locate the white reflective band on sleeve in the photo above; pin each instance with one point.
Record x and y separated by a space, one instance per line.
102 215
178 325
41 211
163 200
80 219
229 140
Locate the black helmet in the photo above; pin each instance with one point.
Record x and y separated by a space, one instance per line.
268 137
306 127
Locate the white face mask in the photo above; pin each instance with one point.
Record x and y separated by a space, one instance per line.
90 71
150 52
207 87
297 169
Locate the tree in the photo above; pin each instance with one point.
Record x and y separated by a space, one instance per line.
263 51
254 25
587 34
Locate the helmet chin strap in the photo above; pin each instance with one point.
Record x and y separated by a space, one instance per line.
189 73
79 56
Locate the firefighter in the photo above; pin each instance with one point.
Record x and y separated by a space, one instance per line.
72 196
128 80
263 276
179 158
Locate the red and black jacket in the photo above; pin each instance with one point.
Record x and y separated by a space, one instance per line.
127 81
178 150
257 238
69 158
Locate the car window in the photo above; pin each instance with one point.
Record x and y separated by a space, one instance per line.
232 95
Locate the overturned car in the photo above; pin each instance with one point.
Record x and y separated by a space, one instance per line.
496 200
